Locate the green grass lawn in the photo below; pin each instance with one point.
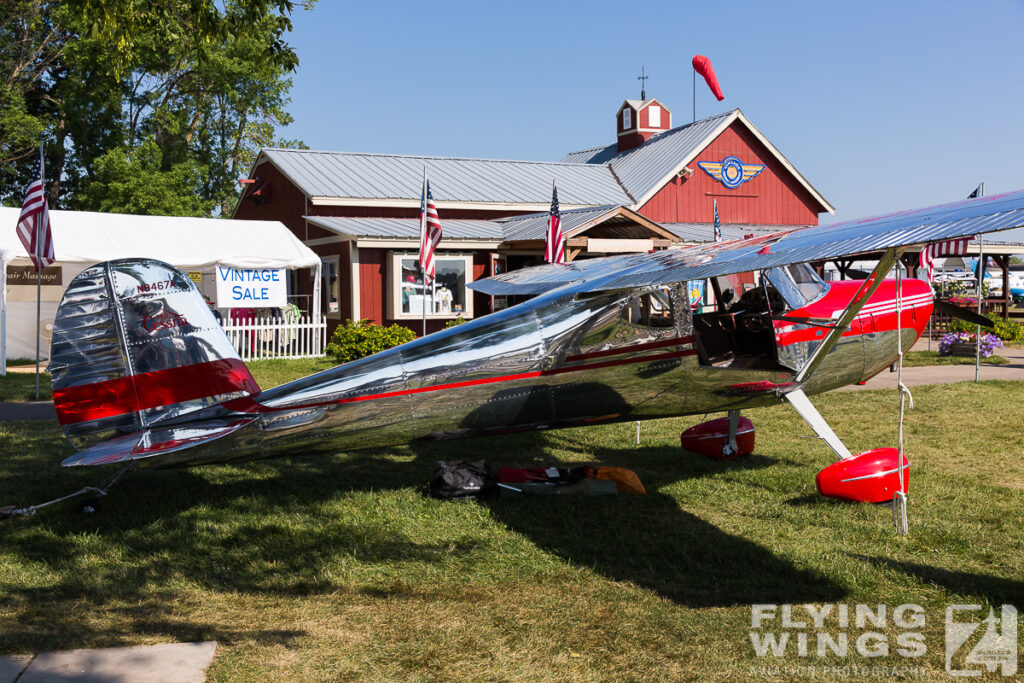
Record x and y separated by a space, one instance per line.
337 568
21 386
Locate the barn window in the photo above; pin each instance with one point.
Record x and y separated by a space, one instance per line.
627 118
654 116
444 297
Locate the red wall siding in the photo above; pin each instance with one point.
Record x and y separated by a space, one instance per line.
620 116
664 121
774 197
285 202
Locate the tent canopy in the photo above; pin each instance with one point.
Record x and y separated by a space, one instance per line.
87 237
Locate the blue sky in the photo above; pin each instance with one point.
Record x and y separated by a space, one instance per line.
881 105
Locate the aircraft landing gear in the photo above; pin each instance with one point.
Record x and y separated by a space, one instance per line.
724 438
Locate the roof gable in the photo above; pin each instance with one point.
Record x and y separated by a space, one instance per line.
638 105
644 170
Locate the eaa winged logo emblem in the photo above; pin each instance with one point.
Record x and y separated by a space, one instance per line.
730 171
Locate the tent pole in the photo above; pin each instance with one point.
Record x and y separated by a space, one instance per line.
316 309
3 318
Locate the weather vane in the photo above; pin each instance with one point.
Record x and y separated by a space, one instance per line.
643 78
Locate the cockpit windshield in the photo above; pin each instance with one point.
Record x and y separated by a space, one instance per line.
798 284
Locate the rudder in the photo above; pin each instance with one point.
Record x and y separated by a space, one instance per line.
134 343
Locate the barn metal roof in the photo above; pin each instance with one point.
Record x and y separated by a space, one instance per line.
645 169
529 227
344 175
593 177
534 226
705 232
407 228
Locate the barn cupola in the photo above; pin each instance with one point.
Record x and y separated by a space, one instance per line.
638 120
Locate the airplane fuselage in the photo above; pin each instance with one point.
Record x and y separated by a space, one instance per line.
567 358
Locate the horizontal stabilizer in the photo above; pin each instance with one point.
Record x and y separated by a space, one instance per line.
157 441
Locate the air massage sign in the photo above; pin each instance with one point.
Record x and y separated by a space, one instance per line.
251 287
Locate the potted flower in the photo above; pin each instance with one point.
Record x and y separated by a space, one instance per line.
963 302
965 344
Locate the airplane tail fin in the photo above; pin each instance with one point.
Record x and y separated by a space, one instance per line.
134 343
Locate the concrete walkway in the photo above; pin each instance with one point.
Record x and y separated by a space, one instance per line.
166 663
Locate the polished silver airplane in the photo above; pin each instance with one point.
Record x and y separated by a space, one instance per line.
143 374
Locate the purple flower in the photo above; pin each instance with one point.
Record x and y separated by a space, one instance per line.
989 343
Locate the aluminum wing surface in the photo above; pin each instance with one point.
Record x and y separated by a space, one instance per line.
949 221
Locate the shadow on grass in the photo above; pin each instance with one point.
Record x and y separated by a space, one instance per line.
816 499
994 589
649 541
259 530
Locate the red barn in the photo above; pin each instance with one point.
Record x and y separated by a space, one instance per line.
655 186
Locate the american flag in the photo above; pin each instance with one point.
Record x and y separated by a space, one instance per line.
956 247
34 221
554 251
718 225
430 231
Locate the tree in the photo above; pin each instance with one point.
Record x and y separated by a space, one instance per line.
137 182
203 83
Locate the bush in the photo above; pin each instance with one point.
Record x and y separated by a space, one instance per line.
455 321
1007 330
360 338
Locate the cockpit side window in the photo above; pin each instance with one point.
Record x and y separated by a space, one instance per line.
653 309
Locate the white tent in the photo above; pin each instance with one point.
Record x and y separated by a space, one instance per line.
82 238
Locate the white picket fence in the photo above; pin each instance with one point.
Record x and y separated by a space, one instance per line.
262 338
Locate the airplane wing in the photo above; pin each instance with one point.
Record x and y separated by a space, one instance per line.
948 221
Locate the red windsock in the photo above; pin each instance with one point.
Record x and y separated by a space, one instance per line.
702 65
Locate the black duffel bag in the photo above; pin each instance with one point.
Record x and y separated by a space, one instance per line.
460 479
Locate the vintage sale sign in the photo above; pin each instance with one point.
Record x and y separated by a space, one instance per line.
251 287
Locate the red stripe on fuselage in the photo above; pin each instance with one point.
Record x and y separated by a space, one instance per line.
877 315
151 390
249 405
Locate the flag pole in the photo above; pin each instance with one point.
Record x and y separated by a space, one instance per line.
694 74
981 281
39 270
423 237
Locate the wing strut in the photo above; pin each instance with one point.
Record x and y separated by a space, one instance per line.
798 399
843 323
